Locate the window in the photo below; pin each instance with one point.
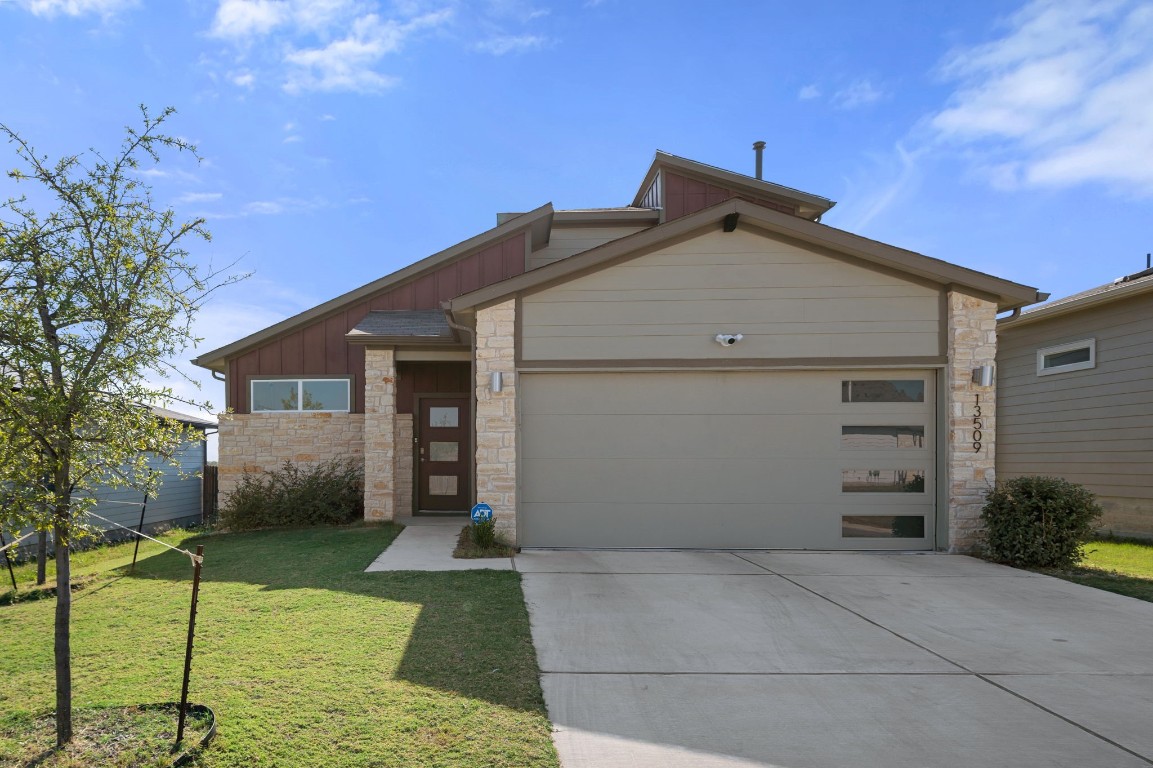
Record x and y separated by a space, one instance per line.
881 438
882 481
1076 356
300 395
883 526
894 391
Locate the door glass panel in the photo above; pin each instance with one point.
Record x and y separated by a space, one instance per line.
442 485
443 451
443 416
883 526
883 480
883 391
882 438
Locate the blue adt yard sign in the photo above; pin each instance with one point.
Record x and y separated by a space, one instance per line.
481 513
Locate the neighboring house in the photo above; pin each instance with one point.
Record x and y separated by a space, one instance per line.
180 501
1075 397
708 366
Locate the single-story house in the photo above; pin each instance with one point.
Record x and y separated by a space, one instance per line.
1075 397
706 367
180 501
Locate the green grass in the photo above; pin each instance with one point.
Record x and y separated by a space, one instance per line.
1121 566
306 659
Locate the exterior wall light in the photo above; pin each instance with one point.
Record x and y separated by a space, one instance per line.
497 381
983 376
728 339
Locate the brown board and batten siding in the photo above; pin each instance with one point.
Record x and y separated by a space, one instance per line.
321 349
684 195
1091 426
788 301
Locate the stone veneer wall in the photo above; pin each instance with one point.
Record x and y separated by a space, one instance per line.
404 489
380 487
259 442
972 332
496 415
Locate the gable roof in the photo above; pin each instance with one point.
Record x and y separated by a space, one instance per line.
183 418
808 206
1122 288
537 222
1009 295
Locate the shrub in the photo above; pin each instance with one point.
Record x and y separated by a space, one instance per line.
484 534
1038 522
326 494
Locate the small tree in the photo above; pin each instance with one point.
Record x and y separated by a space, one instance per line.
95 295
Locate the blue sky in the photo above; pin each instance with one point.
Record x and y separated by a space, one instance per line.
344 139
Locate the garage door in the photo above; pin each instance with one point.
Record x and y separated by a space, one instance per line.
816 460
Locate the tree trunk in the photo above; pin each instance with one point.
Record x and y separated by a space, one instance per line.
41 558
63 638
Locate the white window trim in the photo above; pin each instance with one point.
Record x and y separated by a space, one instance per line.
1090 344
299 394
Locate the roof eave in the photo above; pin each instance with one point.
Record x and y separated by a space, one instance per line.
1119 293
1008 295
537 221
808 205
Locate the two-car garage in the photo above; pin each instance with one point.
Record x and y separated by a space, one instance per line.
728 459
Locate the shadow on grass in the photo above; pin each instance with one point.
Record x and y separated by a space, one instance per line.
471 636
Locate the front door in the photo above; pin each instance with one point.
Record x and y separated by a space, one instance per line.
442 474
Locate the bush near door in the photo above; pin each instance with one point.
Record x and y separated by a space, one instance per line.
1038 522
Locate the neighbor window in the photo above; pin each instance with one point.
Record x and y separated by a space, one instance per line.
1076 356
300 395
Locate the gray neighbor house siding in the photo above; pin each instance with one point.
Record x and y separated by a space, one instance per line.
180 500
1089 425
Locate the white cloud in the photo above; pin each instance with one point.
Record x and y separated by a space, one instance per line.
809 92
502 44
292 139
1064 97
51 8
244 18
199 197
243 79
857 94
348 64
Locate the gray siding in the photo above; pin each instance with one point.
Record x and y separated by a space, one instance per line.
178 502
789 302
1093 426
568 241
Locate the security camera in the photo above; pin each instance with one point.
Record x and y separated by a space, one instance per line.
728 339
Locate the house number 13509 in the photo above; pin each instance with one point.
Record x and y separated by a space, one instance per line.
977 426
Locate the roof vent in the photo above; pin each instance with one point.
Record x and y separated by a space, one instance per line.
759 148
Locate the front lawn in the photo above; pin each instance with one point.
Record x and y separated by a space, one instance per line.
1121 566
306 659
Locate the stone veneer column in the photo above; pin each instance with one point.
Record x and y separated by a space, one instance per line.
379 434
972 333
496 415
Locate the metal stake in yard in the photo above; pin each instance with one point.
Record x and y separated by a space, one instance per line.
139 529
196 563
8 560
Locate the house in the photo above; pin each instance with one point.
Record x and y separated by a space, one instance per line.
180 501
1075 397
708 366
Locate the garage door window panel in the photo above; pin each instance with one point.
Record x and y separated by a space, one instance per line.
883 481
881 438
883 526
883 391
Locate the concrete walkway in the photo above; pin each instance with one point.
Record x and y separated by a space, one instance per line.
426 544
824 660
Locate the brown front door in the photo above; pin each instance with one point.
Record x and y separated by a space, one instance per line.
442 454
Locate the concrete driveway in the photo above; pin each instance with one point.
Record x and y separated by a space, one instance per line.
807 660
